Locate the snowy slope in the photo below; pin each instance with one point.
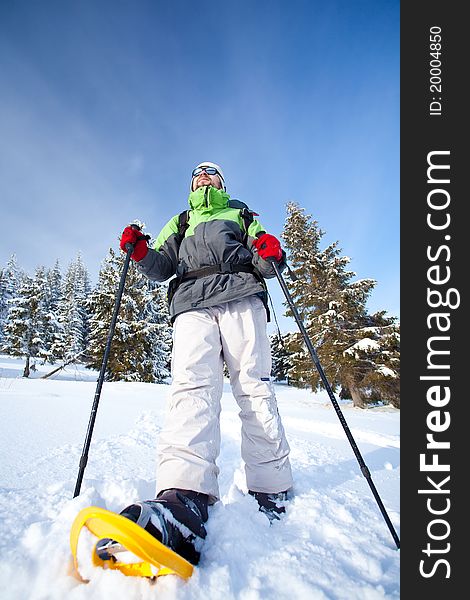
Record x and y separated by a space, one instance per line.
332 543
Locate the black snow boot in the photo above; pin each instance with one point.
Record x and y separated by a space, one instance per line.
176 518
272 505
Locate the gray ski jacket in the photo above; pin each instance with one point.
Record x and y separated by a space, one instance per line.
214 261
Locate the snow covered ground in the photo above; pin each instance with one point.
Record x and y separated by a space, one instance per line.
333 542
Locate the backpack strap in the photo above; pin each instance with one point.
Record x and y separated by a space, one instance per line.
246 214
248 217
222 268
183 224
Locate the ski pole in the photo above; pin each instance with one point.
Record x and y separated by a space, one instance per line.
91 422
313 354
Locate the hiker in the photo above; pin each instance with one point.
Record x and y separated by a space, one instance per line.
219 254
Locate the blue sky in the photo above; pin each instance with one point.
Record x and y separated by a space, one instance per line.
106 106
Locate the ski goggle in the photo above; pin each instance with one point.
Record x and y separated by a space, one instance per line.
209 170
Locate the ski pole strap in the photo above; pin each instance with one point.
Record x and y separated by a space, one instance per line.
222 268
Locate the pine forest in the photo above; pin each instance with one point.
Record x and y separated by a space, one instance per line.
58 317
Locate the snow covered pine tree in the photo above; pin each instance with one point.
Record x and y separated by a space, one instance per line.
358 351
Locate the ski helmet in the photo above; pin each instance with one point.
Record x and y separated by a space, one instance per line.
206 163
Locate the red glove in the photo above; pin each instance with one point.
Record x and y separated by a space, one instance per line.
268 247
137 239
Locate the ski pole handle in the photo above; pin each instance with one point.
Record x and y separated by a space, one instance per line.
129 246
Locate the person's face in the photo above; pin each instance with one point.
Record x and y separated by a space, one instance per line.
205 179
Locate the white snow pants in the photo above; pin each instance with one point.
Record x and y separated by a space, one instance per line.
189 443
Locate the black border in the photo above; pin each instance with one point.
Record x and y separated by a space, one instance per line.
421 133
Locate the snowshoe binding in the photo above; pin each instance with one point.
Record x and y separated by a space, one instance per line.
175 518
272 505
